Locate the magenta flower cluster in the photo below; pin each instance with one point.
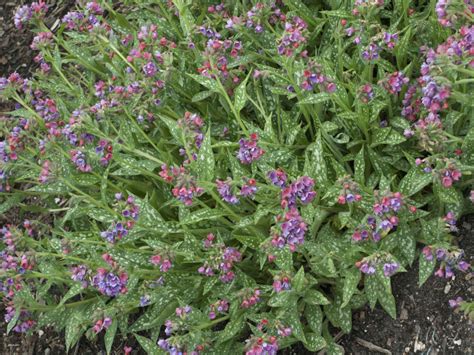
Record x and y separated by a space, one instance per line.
110 284
221 260
249 151
185 188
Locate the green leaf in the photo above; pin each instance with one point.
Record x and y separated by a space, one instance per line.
359 165
12 322
241 95
319 168
315 297
186 18
315 99
406 242
281 299
339 316
231 329
415 180
351 280
386 136
205 160
335 349
302 10
314 342
202 95
74 329
314 317
75 289
293 320
148 345
426 268
173 128
207 82
209 284
203 214
284 259
161 309
298 280
371 289
385 296
110 336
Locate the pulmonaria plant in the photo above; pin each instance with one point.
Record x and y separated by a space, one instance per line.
200 173
220 261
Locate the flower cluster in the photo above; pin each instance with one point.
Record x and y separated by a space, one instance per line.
161 260
80 273
109 283
350 191
300 190
191 125
366 93
313 76
26 12
278 178
383 221
220 260
80 161
24 322
266 341
249 151
174 343
249 188
293 37
281 282
393 84
220 306
105 150
250 298
185 186
369 265
448 12
449 259
130 211
450 220
291 231
102 324
225 191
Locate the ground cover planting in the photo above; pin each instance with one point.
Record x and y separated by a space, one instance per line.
236 177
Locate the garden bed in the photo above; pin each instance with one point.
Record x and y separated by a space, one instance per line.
424 321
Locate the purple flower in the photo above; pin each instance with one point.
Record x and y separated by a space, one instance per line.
225 191
249 150
277 177
367 269
463 265
249 189
395 82
455 303
22 16
301 189
109 283
292 231
150 69
390 268
79 159
144 301
371 52
78 273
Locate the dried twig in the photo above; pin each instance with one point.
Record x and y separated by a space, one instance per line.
371 346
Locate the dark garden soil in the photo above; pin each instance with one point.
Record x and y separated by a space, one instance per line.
425 324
